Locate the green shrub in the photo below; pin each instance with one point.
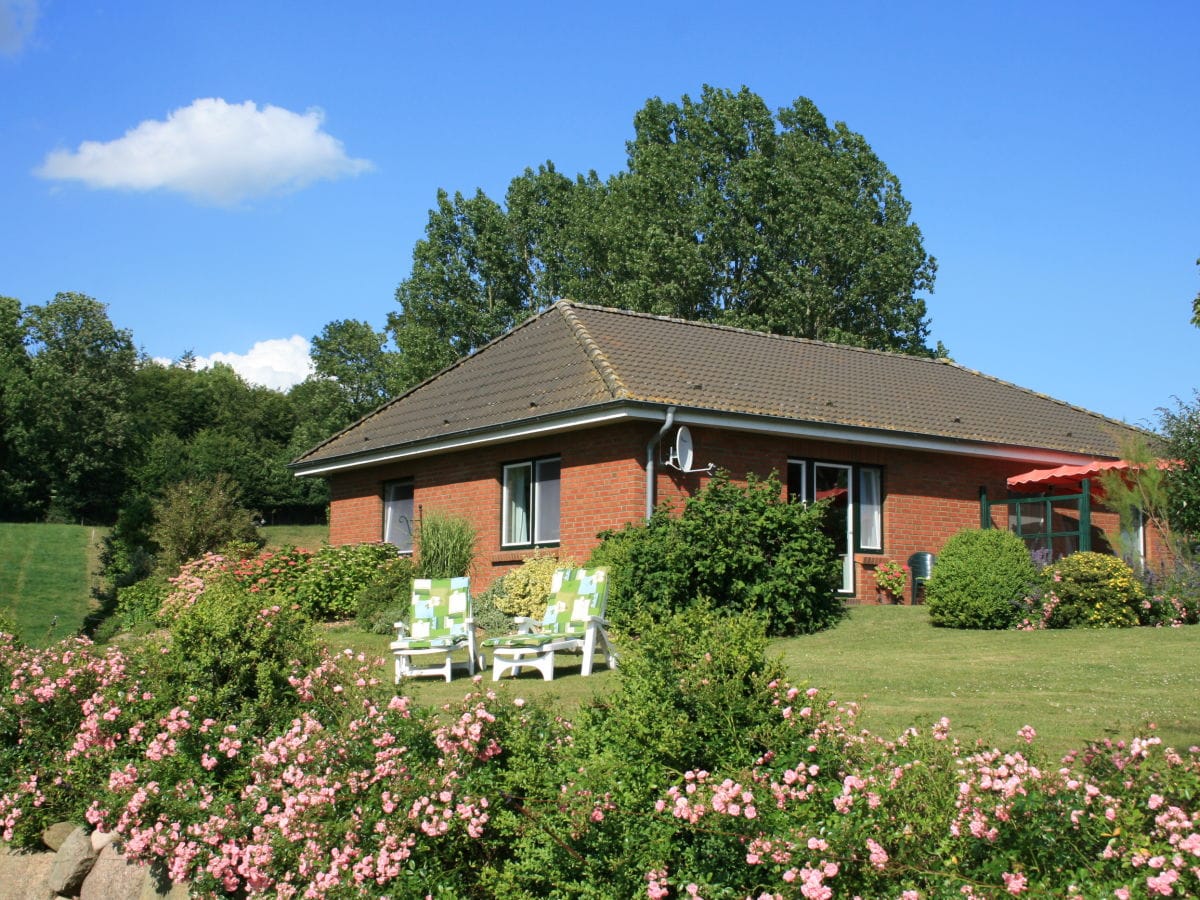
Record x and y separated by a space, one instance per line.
527 587
693 693
979 580
387 598
747 548
445 546
198 517
234 651
138 603
488 615
1091 589
329 586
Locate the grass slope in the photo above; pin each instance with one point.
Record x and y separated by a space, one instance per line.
45 578
307 537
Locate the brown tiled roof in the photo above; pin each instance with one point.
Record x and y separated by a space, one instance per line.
573 357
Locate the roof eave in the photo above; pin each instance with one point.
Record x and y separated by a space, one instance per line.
608 413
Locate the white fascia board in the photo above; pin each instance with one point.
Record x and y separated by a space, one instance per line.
846 434
703 418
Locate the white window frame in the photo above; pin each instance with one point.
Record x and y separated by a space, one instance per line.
540 529
802 473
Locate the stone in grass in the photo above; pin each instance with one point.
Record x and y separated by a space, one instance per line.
72 863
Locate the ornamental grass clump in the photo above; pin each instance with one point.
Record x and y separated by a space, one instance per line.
980 580
445 546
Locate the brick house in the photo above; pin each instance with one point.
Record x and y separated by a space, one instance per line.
568 425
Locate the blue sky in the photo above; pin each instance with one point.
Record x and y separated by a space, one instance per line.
229 177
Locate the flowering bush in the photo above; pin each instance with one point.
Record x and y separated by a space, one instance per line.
706 775
892 577
1092 589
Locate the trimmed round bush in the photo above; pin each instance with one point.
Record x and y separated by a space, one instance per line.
1094 590
979 580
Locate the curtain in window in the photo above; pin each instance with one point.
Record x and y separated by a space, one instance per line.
546 503
517 497
870 509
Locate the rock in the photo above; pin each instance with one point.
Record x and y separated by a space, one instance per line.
152 889
72 863
54 836
101 839
113 878
23 876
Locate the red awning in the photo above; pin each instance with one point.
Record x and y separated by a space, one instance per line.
1072 476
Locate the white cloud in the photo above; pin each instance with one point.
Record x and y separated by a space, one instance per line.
211 151
17 21
278 363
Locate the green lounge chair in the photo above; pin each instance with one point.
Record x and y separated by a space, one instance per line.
441 625
573 623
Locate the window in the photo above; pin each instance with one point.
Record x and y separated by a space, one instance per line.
855 496
530 510
398 514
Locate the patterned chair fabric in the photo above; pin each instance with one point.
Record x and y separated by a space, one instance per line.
441 623
573 622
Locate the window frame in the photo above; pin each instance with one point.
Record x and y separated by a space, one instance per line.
537 496
801 485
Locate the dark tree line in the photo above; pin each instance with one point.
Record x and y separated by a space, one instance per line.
93 431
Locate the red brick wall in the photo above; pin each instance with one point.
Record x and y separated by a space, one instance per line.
927 496
602 486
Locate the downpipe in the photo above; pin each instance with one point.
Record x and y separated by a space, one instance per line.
651 456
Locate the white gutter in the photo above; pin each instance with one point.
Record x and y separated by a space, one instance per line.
651 454
704 418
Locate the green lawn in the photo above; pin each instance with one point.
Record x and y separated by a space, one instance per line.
1071 686
307 537
46 578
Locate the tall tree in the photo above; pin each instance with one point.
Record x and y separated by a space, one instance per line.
355 357
1196 306
725 212
81 369
18 472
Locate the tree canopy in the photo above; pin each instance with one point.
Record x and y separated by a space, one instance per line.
725 212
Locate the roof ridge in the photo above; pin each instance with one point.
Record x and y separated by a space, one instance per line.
592 350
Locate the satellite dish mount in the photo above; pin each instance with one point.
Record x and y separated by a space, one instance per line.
682 454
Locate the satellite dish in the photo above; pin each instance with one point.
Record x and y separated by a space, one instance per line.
683 453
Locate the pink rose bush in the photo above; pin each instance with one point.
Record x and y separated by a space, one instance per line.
705 774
